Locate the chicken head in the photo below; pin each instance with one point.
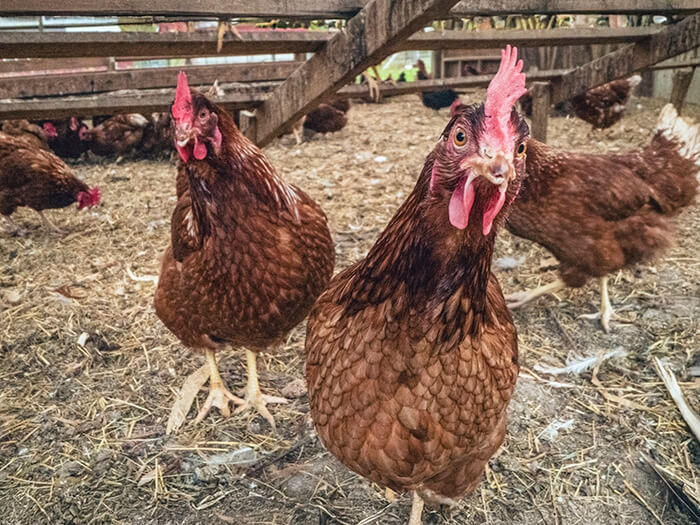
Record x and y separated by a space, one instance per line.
196 123
480 158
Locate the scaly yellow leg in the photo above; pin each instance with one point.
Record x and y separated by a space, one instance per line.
518 299
253 397
416 510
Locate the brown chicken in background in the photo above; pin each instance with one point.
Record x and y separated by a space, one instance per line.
598 214
249 253
328 118
412 353
117 135
604 105
32 133
38 179
157 135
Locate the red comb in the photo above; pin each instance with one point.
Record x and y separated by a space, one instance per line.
182 107
505 88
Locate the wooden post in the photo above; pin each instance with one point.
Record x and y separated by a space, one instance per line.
681 82
541 93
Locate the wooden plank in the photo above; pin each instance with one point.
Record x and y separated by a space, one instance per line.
667 43
319 9
32 44
23 66
541 96
73 84
246 96
681 82
367 39
560 36
133 101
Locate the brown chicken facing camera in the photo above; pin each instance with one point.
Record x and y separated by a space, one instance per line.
249 253
412 353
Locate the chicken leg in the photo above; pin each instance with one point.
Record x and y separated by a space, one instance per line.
219 396
518 299
416 510
606 312
48 224
12 227
253 397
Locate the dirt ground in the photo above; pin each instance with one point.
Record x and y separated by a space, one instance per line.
88 373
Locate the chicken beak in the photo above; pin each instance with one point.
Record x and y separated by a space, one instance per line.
499 170
183 134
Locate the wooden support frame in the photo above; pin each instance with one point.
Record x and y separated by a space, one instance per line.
32 44
667 43
679 89
246 96
146 78
541 102
367 39
317 9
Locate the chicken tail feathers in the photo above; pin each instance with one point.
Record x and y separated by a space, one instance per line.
683 131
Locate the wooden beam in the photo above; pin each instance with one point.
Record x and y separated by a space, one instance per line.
32 44
367 39
73 84
669 42
135 101
317 9
541 96
246 96
560 36
681 82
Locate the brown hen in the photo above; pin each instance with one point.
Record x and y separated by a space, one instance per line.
605 105
411 352
598 214
117 135
249 253
33 133
34 177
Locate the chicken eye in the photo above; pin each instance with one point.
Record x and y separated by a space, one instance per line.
203 114
460 138
521 149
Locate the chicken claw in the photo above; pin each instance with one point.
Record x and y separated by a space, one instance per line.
48 224
253 397
219 396
606 312
518 299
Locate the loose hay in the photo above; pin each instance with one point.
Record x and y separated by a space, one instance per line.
89 373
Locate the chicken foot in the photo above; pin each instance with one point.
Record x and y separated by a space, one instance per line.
219 396
606 312
12 227
518 299
253 397
47 223
416 510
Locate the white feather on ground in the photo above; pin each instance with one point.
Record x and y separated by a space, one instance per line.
579 364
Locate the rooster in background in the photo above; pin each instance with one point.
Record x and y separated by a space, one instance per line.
68 138
38 179
598 214
32 133
412 354
604 105
117 135
436 99
249 253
